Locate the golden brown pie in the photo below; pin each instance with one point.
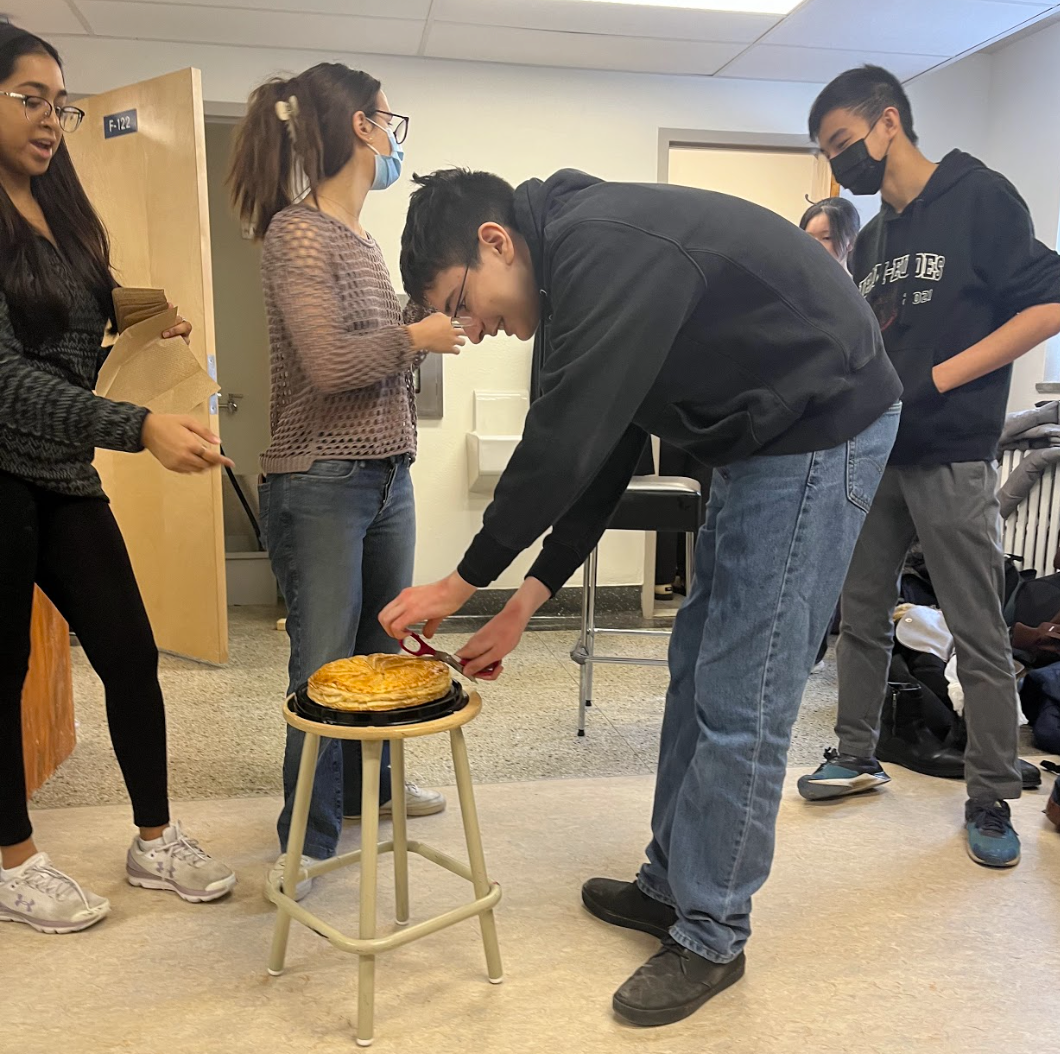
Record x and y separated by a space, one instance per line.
379 682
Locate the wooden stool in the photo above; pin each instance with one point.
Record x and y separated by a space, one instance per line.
367 945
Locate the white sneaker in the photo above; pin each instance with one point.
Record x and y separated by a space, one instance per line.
418 802
177 863
305 883
43 897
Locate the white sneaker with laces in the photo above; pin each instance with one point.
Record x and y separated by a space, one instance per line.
45 898
305 883
418 802
176 862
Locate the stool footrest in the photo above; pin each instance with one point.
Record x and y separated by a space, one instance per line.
617 660
379 945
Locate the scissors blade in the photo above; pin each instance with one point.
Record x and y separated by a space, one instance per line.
452 660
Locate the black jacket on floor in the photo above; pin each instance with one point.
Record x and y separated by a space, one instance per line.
698 317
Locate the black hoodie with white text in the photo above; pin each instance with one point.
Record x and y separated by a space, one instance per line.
955 265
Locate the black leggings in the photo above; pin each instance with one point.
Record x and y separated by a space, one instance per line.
72 548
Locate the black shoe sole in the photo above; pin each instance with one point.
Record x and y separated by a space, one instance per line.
671 1015
612 918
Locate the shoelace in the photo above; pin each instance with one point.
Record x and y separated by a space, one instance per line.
186 849
53 883
830 754
992 820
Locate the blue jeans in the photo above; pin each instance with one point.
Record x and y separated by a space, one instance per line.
770 563
341 537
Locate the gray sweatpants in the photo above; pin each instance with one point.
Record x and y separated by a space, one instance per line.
953 509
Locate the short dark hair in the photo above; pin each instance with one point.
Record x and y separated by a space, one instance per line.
866 91
843 220
441 229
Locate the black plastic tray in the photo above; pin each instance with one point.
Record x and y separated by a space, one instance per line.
455 699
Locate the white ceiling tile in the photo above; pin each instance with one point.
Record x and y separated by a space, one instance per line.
577 50
367 8
575 16
901 26
818 65
42 16
213 25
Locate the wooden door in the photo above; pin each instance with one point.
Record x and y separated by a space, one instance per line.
141 154
48 736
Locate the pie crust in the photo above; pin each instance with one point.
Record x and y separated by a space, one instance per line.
379 682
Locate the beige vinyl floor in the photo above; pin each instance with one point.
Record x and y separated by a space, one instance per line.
875 934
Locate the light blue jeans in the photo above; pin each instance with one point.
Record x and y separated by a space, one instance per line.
770 563
341 539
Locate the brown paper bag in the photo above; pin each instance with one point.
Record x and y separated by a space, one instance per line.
142 368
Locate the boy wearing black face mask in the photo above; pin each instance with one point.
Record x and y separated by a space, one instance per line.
961 289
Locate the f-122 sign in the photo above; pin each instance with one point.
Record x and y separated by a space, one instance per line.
115 124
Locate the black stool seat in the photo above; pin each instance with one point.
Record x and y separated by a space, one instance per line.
659 503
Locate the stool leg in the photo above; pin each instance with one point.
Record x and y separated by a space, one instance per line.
690 562
585 679
371 762
476 857
295 843
401 842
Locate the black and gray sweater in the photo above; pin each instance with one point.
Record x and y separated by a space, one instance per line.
50 422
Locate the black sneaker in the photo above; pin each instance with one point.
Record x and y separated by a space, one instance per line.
625 904
673 984
842 775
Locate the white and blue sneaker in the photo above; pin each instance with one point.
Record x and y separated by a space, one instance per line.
992 840
842 775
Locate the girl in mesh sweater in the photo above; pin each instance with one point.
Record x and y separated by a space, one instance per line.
336 501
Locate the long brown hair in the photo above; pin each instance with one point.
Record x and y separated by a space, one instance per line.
313 143
36 296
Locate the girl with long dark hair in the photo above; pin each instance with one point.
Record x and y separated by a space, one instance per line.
56 527
336 503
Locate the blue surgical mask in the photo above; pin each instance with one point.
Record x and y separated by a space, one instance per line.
387 169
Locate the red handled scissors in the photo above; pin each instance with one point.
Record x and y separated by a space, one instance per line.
424 651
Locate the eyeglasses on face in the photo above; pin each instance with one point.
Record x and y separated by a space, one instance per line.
401 128
39 109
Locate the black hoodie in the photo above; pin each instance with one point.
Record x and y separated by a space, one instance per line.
959 262
698 317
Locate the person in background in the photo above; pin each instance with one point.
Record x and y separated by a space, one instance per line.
961 289
716 325
835 223
337 507
56 527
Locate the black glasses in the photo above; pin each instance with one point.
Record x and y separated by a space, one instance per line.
401 129
39 109
460 305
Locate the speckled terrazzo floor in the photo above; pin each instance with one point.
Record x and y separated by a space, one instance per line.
226 734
